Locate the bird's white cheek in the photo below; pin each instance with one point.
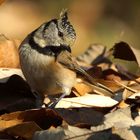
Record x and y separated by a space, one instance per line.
40 42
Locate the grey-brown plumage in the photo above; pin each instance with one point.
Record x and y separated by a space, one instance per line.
45 57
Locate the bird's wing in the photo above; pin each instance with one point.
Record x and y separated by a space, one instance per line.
65 58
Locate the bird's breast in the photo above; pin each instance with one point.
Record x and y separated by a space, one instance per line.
45 75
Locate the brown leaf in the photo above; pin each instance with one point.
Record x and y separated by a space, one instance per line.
44 118
122 104
24 130
82 88
9 57
6 124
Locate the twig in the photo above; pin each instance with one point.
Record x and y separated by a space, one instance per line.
128 88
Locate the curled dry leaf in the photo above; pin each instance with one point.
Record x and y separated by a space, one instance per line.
87 101
122 50
95 54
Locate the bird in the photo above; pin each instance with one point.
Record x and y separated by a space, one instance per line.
47 62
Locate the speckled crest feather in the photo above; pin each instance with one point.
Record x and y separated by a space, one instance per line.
66 25
63 14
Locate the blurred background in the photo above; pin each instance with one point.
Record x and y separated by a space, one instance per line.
95 21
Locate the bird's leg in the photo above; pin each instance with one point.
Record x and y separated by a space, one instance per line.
66 90
54 103
39 98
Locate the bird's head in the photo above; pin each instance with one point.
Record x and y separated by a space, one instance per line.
57 32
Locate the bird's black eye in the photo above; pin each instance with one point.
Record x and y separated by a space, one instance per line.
60 34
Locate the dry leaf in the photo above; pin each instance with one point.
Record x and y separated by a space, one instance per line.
86 101
122 104
5 73
82 88
9 57
13 97
124 51
95 54
77 116
76 133
120 115
129 133
44 118
50 134
104 135
24 130
134 95
6 124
